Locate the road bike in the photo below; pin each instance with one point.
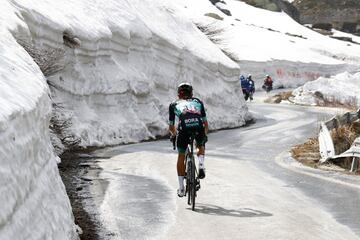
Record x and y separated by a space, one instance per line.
267 87
191 173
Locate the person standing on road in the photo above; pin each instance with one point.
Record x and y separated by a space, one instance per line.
245 87
251 84
191 116
244 83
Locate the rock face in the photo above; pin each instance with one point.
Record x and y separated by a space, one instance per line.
339 14
275 5
288 8
221 5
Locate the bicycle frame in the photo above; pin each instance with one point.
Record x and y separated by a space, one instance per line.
191 173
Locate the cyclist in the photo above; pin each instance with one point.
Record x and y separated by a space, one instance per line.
268 83
191 116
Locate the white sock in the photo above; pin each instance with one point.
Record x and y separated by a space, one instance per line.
201 159
181 182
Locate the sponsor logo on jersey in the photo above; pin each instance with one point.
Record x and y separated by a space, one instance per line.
191 120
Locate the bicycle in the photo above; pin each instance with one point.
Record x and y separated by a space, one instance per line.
191 173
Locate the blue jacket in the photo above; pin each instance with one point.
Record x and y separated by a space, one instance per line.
251 84
244 82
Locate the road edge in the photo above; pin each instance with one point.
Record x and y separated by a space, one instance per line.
285 160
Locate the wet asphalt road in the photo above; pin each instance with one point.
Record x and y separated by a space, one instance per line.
252 190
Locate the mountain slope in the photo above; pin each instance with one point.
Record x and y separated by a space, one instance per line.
272 43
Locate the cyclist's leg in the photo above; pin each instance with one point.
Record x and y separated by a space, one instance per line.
181 146
181 164
201 150
200 139
201 156
200 144
181 173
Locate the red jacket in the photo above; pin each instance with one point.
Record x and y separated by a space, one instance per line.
268 80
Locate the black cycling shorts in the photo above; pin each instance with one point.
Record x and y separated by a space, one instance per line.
183 139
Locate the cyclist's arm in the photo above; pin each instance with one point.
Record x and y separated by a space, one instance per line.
206 125
203 116
172 128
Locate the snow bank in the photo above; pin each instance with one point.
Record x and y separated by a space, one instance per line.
116 86
33 201
343 88
118 83
354 38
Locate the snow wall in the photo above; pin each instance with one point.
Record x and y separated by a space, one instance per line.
117 84
33 200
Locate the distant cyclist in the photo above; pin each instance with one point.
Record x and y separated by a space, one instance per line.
268 83
191 116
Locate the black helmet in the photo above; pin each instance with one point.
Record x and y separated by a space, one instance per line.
185 90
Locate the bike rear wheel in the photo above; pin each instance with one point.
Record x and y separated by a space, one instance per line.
193 186
188 183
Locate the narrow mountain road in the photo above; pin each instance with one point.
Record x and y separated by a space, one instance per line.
250 191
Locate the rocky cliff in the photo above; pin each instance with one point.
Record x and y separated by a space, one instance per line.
343 15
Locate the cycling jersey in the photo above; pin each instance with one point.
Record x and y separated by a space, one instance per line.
191 115
188 111
268 81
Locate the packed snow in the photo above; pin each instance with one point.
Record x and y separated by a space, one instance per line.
354 38
33 200
343 88
117 85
